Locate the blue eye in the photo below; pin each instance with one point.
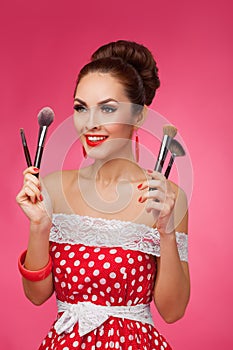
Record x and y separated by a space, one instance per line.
80 108
108 109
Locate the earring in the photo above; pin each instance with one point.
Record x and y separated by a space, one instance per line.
137 147
84 152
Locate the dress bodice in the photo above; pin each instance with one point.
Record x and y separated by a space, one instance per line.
92 231
109 262
104 274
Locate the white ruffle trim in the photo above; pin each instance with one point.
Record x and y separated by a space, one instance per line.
91 231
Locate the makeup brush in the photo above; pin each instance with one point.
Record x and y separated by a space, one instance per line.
176 150
45 118
25 148
169 131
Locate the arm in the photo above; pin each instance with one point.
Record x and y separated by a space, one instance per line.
31 202
172 287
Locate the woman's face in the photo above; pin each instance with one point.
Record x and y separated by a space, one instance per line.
103 116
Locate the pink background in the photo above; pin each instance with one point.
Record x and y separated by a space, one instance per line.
43 46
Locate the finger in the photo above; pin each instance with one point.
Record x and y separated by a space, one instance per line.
20 196
30 194
169 206
164 208
29 178
34 189
151 184
155 195
156 175
152 205
157 184
31 170
157 180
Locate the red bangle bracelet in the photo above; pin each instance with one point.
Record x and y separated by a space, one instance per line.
37 275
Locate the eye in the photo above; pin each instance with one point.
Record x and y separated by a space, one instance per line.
80 108
108 109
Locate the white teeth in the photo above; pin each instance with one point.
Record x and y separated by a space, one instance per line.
96 138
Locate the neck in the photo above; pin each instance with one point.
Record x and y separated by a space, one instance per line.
115 170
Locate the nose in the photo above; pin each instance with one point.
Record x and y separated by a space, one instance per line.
93 121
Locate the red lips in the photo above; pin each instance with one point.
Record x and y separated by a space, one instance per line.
95 140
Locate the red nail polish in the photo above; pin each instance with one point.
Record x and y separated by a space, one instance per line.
149 171
140 199
41 198
139 186
35 169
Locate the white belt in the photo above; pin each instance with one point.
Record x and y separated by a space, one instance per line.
90 316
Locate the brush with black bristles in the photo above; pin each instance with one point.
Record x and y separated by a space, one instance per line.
176 150
45 118
169 131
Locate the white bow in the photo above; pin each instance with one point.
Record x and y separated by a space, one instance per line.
90 316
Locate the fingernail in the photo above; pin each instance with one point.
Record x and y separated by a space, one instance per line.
35 169
139 186
149 171
140 199
41 198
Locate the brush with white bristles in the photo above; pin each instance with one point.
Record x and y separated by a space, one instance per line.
45 118
169 132
176 150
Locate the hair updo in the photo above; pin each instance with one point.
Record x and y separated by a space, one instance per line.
132 64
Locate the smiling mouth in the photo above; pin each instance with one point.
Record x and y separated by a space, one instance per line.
95 140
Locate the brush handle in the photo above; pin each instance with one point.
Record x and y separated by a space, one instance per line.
25 148
162 153
164 147
38 158
158 166
27 156
171 161
40 147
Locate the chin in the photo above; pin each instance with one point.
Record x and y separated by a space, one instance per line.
97 155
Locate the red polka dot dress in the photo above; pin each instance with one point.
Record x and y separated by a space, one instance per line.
104 275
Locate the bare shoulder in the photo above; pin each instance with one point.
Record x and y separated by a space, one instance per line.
59 178
180 208
56 182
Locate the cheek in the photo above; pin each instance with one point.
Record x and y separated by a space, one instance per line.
79 125
120 130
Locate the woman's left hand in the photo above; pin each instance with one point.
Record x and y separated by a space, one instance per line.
160 201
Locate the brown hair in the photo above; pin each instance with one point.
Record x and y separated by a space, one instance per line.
132 64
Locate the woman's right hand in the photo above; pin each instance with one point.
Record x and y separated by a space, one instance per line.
30 198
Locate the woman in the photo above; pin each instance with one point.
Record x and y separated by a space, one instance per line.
113 244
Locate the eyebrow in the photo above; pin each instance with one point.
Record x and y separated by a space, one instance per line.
99 103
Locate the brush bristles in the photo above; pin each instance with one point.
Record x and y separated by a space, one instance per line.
45 116
176 148
170 130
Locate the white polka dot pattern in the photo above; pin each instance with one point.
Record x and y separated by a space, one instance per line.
110 277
